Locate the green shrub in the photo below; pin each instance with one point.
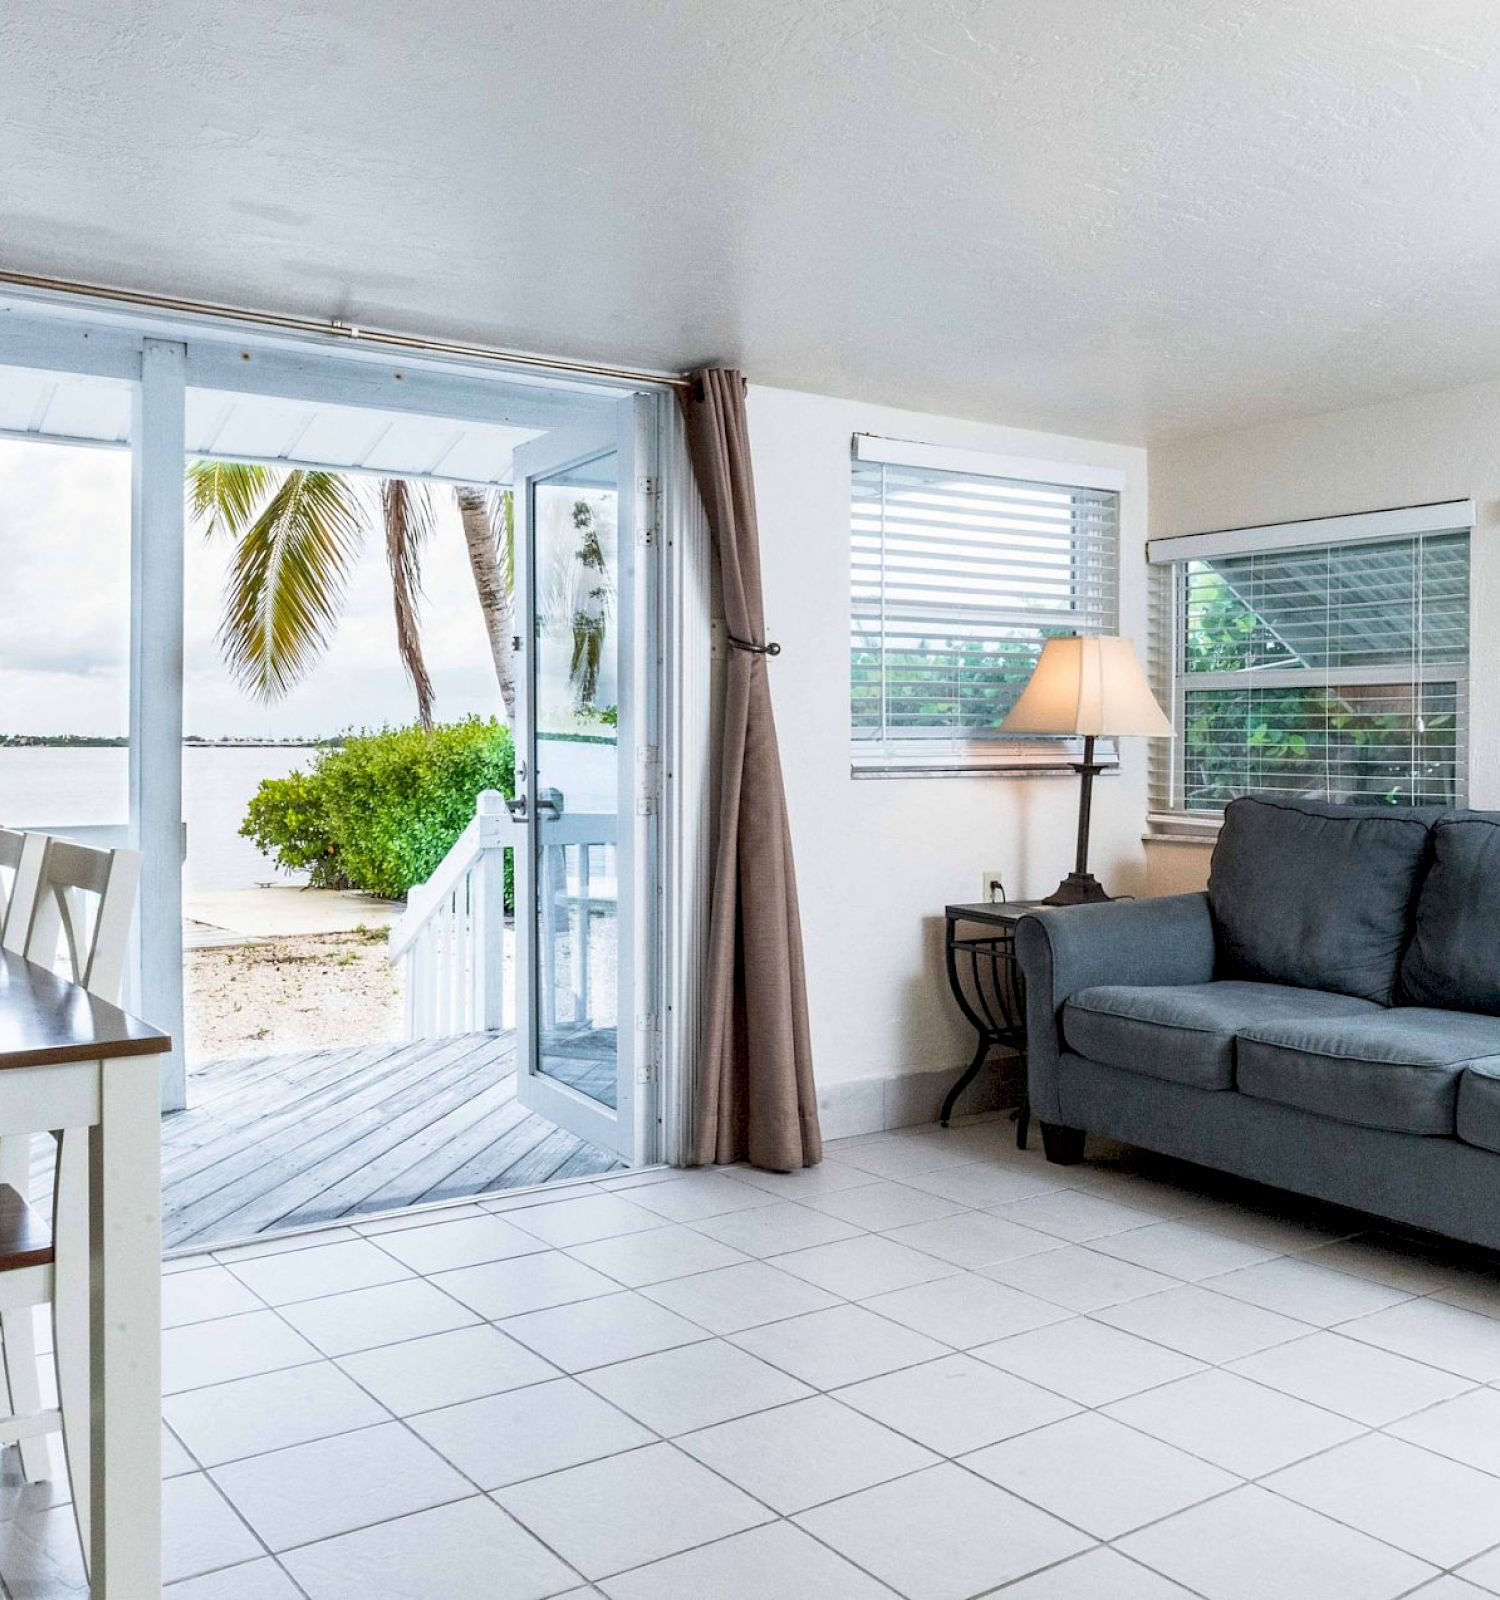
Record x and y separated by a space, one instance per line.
380 811
288 821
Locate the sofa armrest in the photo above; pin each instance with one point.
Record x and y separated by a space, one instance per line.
1062 949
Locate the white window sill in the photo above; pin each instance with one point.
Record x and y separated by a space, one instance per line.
1061 760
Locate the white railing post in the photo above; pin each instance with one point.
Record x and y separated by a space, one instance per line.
451 937
487 903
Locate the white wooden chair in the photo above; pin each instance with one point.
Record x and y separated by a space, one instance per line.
20 871
10 861
22 855
70 909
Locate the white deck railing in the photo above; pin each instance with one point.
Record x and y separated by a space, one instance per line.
453 938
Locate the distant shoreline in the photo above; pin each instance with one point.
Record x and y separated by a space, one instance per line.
82 741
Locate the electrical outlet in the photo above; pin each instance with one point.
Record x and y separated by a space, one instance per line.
994 888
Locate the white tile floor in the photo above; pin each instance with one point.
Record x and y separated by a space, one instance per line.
933 1367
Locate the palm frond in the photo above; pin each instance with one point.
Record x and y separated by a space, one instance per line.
225 497
287 580
407 508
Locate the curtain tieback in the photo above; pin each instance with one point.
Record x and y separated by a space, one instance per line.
751 648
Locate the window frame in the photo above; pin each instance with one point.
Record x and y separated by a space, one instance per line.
954 752
1170 559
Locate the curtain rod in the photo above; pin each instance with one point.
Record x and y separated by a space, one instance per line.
381 338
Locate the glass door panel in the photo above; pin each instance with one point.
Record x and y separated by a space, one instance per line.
577 777
581 853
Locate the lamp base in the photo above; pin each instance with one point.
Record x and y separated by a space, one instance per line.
1078 889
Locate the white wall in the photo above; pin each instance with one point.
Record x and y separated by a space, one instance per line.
878 858
1403 452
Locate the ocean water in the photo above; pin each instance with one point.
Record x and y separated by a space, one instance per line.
53 789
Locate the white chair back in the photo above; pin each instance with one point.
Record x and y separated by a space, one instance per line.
22 854
10 860
84 901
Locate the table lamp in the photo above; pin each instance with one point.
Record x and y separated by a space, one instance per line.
1094 687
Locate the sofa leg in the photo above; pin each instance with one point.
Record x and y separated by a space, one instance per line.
1063 1146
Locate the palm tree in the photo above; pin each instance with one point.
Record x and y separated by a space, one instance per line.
489 524
298 533
578 597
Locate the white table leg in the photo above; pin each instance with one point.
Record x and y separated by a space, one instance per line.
71 1315
125 1334
23 1376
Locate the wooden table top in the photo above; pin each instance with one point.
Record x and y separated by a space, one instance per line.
46 1021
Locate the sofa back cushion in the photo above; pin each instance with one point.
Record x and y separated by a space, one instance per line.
1317 895
1454 958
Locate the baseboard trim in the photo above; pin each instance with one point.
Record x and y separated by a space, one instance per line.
904 1099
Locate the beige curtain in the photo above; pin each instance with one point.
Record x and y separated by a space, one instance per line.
756 1099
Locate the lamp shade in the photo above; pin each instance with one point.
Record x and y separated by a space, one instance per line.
1088 686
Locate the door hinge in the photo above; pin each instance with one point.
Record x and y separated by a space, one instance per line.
647 1050
648 784
648 510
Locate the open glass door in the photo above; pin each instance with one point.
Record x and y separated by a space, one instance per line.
584 798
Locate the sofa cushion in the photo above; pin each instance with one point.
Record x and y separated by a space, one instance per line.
1395 1069
1317 895
1479 1105
1185 1032
1454 956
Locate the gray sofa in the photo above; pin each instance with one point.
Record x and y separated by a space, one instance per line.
1326 1018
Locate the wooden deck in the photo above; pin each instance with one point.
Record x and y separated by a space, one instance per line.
282 1141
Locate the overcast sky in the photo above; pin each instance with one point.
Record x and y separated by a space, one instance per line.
65 617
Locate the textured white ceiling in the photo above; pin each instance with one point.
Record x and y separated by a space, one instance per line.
1127 218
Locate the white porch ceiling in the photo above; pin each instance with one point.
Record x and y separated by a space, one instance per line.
239 427
1136 219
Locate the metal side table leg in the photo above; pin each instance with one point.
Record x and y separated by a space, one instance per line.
1022 1113
981 1055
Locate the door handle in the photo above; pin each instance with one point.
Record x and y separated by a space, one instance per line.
548 805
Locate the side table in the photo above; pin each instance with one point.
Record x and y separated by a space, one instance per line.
980 951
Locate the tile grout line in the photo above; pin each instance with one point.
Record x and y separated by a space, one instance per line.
955 1270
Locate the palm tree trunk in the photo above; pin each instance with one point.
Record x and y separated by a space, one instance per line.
407 523
485 523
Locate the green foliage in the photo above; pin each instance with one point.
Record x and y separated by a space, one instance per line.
959 684
288 821
381 811
1392 743
297 536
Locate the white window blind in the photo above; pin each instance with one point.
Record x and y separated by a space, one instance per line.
958 576
1337 670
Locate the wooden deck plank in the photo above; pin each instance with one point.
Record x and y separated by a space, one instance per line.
305 1084
414 1163
464 1138
239 1144
289 1140
338 1143
331 1152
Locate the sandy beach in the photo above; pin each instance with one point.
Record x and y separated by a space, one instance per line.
273 995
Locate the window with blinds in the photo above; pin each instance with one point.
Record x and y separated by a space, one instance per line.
1336 669
960 570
